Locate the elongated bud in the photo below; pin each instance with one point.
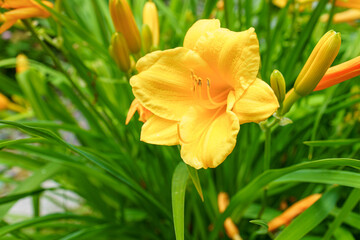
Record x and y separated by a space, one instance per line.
4 102
147 39
124 23
318 63
22 63
340 73
278 84
151 18
293 211
120 52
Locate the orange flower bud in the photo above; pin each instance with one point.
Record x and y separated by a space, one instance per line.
124 22
231 229
340 73
151 18
286 217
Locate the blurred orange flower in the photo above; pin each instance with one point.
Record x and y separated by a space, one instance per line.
21 9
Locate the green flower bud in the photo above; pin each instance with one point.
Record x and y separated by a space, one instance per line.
277 83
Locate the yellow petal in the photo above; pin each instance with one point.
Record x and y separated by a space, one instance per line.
233 55
256 104
164 84
160 131
198 30
207 137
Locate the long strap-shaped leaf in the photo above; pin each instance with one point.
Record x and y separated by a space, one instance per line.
248 194
178 187
44 133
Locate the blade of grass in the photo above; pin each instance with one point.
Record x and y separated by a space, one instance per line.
178 186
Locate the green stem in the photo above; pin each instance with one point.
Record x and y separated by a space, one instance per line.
267 155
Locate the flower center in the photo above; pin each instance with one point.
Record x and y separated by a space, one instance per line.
201 93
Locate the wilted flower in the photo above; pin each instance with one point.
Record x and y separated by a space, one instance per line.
202 92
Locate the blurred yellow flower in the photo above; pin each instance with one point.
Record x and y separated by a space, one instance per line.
202 92
151 18
124 23
21 9
340 73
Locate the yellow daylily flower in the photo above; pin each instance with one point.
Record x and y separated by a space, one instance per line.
21 9
202 92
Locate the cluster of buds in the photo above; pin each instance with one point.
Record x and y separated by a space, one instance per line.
21 9
127 39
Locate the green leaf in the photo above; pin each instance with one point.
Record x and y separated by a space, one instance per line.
92 158
195 179
349 204
178 187
332 143
53 217
32 183
345 178
312 217
260 222
250 192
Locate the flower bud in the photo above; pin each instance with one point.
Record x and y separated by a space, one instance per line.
120 51
4 102
147 39
151 18
277 83
22 63
340 73
318 63
124 23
